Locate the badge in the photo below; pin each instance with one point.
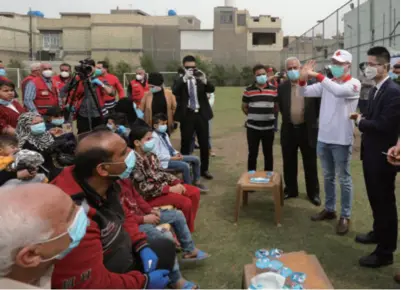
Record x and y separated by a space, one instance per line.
45 93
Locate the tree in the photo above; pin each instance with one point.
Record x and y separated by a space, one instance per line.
15 63
173 66
203 65
111 66
247 76
219 75
233 76
147 63
121 68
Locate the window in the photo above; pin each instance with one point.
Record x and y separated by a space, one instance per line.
259 38
273 19
51 40
190 20
241 19
256 19
226 17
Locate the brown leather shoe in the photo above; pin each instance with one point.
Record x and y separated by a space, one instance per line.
343 226
323 215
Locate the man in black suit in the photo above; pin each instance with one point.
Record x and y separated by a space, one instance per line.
380 129
194 111
298 130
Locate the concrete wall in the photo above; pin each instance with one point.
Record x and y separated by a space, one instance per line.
196 40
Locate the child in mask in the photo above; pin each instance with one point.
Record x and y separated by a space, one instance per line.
118 123
18 167
55 118
10 108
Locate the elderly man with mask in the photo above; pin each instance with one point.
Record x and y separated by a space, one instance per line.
40 225
138 87
41 92
113 253
336 131
35 72
298 131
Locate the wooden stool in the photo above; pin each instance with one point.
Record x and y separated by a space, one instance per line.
244 186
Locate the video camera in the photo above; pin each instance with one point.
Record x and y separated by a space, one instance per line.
85 68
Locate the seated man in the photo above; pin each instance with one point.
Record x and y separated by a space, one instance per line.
113 253
149 219
40 225
155 185
171 158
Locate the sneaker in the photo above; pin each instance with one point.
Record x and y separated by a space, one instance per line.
202 188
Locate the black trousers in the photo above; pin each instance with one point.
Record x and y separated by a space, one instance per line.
195 123
380 186
83 124
297 138
254 138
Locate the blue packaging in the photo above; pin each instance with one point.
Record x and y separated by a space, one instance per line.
298 277
269 173
259 180
263 263
275 266
285 272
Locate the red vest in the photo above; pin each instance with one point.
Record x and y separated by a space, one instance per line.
24 82
138 91
60 82
45 98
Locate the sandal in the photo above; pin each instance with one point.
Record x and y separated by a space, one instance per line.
200 255
190 285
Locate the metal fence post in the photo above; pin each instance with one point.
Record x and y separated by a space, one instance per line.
358 49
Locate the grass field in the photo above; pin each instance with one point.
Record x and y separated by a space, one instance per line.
232 246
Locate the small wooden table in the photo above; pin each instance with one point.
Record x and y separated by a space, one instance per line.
244 186
316 278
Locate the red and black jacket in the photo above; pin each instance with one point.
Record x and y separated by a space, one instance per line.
45 97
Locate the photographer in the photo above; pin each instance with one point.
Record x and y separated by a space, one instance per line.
86 96
193 106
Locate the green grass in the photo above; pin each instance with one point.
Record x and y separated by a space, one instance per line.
232 246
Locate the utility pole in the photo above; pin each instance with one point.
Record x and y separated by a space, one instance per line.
30 35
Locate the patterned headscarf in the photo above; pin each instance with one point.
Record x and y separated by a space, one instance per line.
24 134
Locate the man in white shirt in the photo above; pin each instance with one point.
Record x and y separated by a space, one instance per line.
335 138
40 224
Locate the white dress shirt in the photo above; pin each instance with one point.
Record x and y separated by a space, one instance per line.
161 149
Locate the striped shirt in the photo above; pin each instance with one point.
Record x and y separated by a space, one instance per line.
260 103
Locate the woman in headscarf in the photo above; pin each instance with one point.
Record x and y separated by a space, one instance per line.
126 106
32 135
158 100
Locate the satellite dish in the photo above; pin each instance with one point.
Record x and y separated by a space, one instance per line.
172 12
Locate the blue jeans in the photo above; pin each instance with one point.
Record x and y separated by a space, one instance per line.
177 220
184 167
336 159
210 138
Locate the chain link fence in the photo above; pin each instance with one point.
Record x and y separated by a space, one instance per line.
355 26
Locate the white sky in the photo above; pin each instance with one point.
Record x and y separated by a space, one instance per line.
298 16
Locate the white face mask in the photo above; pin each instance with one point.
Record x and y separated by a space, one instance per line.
65 74
47 73
370 72
139 77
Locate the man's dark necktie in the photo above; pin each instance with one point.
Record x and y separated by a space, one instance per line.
192 100
372 94
169 147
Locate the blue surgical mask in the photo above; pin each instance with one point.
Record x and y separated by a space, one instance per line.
58 122
38 128
262 79
2 72
337 70
392 75
4 102
149 145
162 128
139 113
130 163
154 90
98 72
121 129
293 74
76 231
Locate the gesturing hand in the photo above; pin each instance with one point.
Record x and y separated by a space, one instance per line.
149 259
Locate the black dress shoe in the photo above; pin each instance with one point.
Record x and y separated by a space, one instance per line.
288 195
375 261
315 200
369 238
207 175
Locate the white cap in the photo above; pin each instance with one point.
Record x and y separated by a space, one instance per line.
342 55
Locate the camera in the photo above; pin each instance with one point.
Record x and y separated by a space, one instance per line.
85 68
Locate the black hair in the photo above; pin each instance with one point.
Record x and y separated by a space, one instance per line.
6 83
158 117
381 53
137 133
118 118
105 64
89 61
54 111
156 79
396 66
258 67
87 160
65 64
7 140
125 106
188 58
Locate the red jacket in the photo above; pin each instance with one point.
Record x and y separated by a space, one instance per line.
113 81
134 202
85 266
24 82
45 97
138 91
60 82
9 117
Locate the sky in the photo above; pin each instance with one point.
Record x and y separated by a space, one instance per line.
297 16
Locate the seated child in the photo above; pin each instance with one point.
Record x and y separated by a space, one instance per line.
148 220
117 122
171 158
18 167
54 118
155 185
